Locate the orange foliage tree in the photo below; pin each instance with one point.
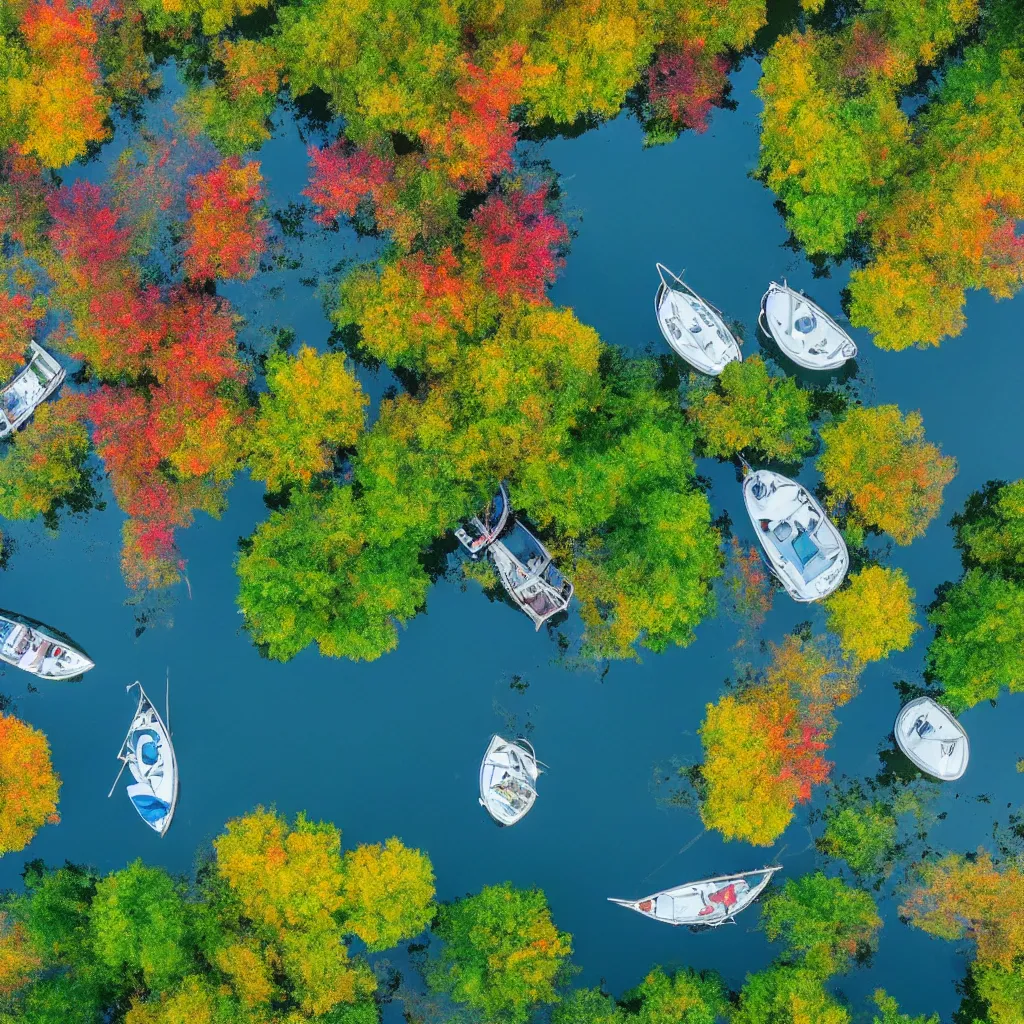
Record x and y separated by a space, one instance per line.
879 461
227 230
57 96
28 784
764 746
18 318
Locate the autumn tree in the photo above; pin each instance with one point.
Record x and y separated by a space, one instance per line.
972 897
226 231
861 831
19 316
878 460
387 892
46 461
979 639
502 954
54 89
990 529
314 406
681 997
874 615
824 923
890 1012
782 994
749 411
28 784
234 110
763 746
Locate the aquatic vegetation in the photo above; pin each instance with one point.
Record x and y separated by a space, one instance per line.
502 953
862 832
890 1012
763 747
990 529
782 994
314 405
932 198
748 585
257 936
878 460
874 615
45 463
234 111
28 784
974 898
824 923
682 997
226 231
51 85
979 633
19 316
749 411
388 893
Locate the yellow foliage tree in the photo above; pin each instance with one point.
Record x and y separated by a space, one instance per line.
28 784
874 615
315 405
879 461
388 893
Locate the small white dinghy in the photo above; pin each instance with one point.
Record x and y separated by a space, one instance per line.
693 327
29 645
148 754
508 779
933 739
803 330
804 549
481 531
530 576
29 389
708 903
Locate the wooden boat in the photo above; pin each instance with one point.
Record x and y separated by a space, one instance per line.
803 330
32 385
39 649
804 549
508 779
481 531
693 327
933 739
705 904
529 575
148 754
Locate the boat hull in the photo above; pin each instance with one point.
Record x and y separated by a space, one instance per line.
692 327
824 345
791 505
40 650
926 747
508 778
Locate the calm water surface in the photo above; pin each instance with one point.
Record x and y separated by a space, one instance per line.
392 748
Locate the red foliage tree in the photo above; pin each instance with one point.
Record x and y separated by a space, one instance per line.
342 178
227 229
517 242
684 84
18 319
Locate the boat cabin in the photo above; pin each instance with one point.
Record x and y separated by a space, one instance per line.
30 388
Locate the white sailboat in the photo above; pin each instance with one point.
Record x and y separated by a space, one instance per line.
693 327
933 739
707 903
508 779
148 754
803 330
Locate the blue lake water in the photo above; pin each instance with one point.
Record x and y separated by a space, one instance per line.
392 748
